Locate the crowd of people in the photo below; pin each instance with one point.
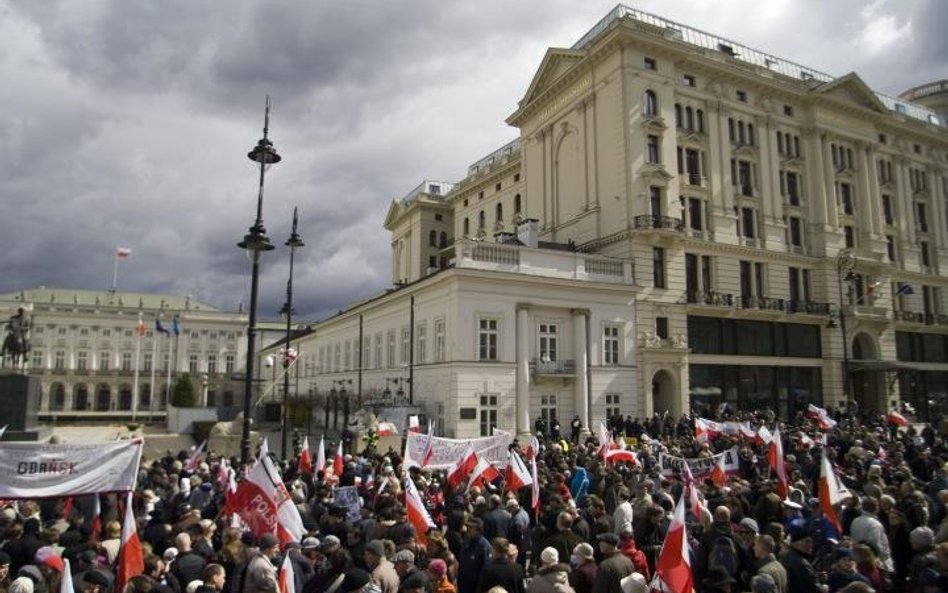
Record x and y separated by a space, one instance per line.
598 527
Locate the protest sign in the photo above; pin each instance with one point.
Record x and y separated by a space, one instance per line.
445 452
700 467
348 498
33 470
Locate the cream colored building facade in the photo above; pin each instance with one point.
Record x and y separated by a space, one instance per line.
85 346
761 204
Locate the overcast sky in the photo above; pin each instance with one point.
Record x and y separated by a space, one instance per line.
127 122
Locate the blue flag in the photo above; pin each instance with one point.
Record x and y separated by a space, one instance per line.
175 326
160 328
905 289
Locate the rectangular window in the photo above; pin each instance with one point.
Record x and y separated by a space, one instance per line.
661 327
548 346
706 284
211 364
695 208
548 408
658 267
747 282
650 63
760 279
406 345
59 360
846 197
747 223
850 235
366 361
925 254
347 356
887 212
890 247
655 200
688 80
794 278
126 361
193 363
36 360
421 343
229 363
793 188
439 340
610 344
745 178
379 361
82 361
741 96
487 414
104 361
921 218
796 231
390 349
612 405
652 152
487 339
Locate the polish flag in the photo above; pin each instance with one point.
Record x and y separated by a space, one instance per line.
463 468
693 498
122 253
414 425
321 456
821 416
264 503
673 569
286 580
306 462
775 457
764 436
832 492
483 472
96 526
719 473
65 584
387 429
429 445
605 439
131 560
337 462
533 449
195 460
417 513
896 419
516 476
535 490
617 455
67 507
141 329
806 441
705 430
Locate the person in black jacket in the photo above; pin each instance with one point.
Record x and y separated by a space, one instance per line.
501 571
801 576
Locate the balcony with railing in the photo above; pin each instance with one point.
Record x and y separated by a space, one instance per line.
867 312
692 180
543 367
654 222
763 303
710 298
926 318
551 263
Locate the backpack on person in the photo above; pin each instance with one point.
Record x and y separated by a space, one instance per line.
724 555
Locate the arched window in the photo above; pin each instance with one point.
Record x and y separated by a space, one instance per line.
433 238
678 120
481 221
467 227
651 103
517 205
57 397
144 397
80 397
500 212
444 240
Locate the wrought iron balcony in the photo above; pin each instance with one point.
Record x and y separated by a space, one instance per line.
660 223
710 297
926 318
542 366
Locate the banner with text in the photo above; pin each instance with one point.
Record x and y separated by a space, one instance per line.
30 470
446 452
700 467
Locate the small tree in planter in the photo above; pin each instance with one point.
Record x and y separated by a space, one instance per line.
183 395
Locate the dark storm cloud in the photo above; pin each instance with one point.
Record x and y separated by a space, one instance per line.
128 123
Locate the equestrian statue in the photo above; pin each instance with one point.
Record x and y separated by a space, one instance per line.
16 344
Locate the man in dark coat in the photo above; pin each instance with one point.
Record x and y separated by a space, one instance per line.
614 567
473 557
501 571
801 576
563 541
496 520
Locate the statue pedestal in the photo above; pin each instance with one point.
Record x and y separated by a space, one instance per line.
20 397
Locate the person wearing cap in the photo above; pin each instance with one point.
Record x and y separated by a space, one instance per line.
383 571
473 556
500 571
583 562
438 574
801 576
614 566
21 585
259 575
552 576
868 528
411 579
844 570
765 562
355 580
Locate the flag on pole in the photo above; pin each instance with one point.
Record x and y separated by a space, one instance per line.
176 325
65 584
821 416
414 424
429 445
306 462
605 439
463 468
483 472
896 419
417 513
617 455
96 526
535 489
517 475
905 289
832 492
122 252
321 455
775 457
673 569
131 560
337 462
692 490
195 459
719 472
160 328
141 329
286 580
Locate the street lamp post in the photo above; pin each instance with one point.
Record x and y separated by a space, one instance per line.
293 243
845 262
255 243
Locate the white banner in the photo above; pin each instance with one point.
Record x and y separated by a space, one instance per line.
30 470
446 452
700 467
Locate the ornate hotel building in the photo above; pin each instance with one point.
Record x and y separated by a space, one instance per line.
682 222
84 346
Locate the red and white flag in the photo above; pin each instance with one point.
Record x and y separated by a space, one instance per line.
617 455
673 569
821 416
417 513
338 460
65 584
463 468
131 560
691 488
896 419
141 329
806 441
96 526
832 492
706 430
516 476
264 503
764 436
533 449
306 461
321 456
535 490
775 457
719 472
429 444
195 460
286 579
122 253
414 424
387 429
605 439
484 472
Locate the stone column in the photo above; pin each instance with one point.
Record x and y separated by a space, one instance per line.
829 185
906 205
865 207
523 369
816 192
581 383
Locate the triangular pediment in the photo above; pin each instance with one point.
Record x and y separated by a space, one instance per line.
555 64
395 210
851 89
